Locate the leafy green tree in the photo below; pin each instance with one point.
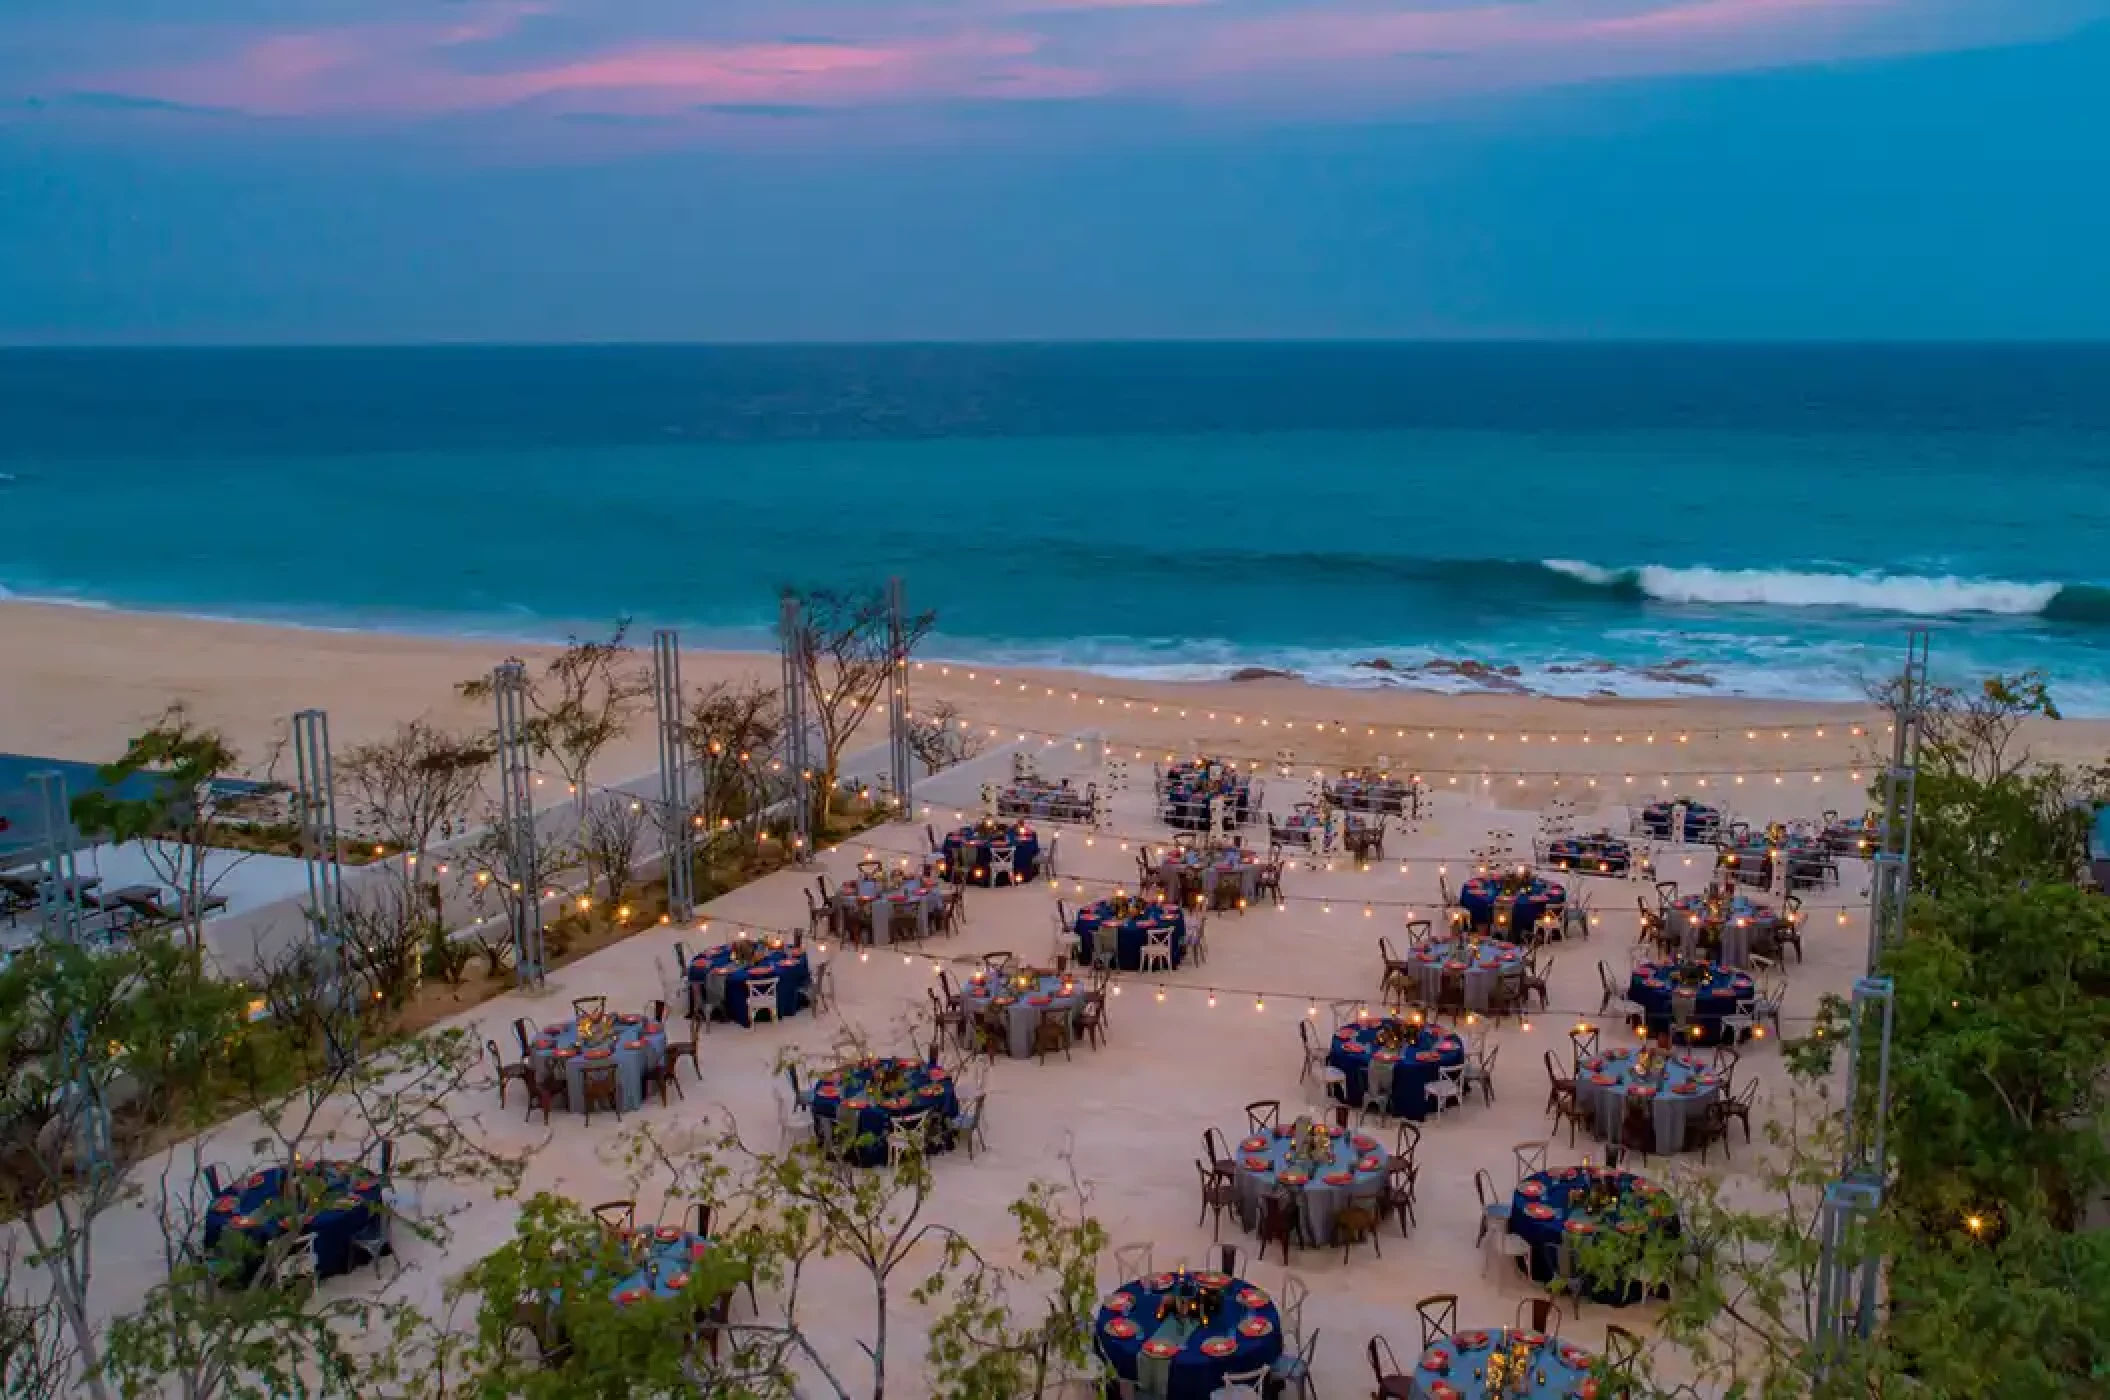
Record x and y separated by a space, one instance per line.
160 795
984 1345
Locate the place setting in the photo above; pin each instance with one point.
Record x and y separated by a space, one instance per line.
599 1059
989 852
746 979
1185 1334
1189 792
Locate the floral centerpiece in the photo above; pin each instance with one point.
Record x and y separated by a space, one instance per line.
1188 1300
595 1028
1396 1034
1515 882
1684 973
1311 1142
1512 1371
888 1080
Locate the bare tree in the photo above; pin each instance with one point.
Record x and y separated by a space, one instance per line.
414 788
615 828
734 733
386 929
578 705
849 662
941 738
496 885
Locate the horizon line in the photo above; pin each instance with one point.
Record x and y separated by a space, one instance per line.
12 346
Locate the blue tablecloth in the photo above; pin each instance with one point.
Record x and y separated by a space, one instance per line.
1482 969
1060 804
1727 935
668 1261
1807 858
1590 855
1025 852
1677 1089
1864 837
1022 1009
1478 895
1371 795
342 1199
1548 1208
1702 824
1187 790
637 1043
724 980
1451 1364
1423 1051
1132 936
1192 1374
1652 989
929 1089
1354 1169
897 912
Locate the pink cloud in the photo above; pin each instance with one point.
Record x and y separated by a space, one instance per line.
1715 16
1215 54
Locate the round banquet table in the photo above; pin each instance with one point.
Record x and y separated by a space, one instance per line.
1371 795
340 1200
1701 823
1022 1009
1403 1075
1353 1170
664 1273
1025 852
1129 933
724 979
1603 854
1186 871
1677 1090
1483 963
1478 896
908 907
1128 1324
1807 857
1188 794
1056 804
637 1044
1655 992
929 1090
1727 939
1852 838
1307 829
1548 1211
1446 1369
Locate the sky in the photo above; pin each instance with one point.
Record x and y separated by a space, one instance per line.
215 171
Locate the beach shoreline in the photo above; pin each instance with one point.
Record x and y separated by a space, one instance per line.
83 680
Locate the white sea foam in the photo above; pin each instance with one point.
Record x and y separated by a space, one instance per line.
1875 592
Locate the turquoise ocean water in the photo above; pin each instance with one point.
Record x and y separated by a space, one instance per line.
1776 516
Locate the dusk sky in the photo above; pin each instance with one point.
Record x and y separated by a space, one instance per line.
383 170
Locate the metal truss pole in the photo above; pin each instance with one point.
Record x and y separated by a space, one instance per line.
1848 1272
59 895
1892 883
315 812
798 769
59 898
904 754
516 814
677 832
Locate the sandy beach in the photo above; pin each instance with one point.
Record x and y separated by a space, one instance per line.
79 681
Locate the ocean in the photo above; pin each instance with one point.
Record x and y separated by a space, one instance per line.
1635 520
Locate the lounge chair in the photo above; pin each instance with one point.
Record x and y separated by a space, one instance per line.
145 903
